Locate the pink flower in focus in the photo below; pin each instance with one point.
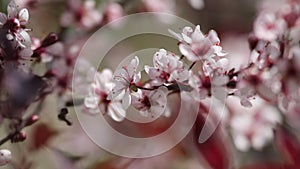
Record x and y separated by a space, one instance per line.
124 79
16 36
196 46
96 100
152 102
167 68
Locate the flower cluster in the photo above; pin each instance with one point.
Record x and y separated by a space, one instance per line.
271 78
169 74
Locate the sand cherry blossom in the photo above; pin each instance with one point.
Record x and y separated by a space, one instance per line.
14 36
125 79
83 13
113 11
151 103
268 27
206 86
96 100
167 68
253 128
197 46
200 89
166 6
245 94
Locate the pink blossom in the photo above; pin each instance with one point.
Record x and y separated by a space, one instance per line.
166 6
96 100
152 102
253 127
167 68
268 27
16 36
85 14
113 11
196 46
124 79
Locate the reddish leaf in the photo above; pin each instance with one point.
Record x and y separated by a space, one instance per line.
41 135
289 145
213 150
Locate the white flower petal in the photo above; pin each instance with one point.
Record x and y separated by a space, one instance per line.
3 18
223 64
187 52
91 102
186 38
131 68
12 9
26 53
23 16
197 35
266 93
114 93
116 112
220 80
126 101
137 77
219 93
26 38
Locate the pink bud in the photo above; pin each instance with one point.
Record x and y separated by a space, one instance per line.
31 120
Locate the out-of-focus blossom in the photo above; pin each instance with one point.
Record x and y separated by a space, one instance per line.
96 101
166 6
205 86
112 12
26 3
253 128
84 14
5 157
124 79
268 27
197 4
245 94
167 68
151 103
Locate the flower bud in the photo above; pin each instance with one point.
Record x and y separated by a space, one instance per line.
5 157
31 120
19 137
50 40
